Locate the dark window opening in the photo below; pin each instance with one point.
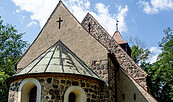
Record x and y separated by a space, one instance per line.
72 97
123 96
33 94
134 96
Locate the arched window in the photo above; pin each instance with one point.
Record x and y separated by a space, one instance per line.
72 97
75 94
29 91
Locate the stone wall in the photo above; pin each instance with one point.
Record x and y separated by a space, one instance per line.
54 88
13 91
122 57
112 81
101 68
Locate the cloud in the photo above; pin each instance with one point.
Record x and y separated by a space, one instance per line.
108 21
154 6
41 9
122 13
31 23
155 51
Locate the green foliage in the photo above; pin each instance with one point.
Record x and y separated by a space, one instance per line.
11 48
162 70
139 55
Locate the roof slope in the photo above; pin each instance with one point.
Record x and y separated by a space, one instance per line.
71 33
58 59
125 61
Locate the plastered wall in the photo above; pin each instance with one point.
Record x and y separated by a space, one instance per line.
71 34
129 91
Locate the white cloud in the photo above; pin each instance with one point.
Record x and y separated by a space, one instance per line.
79 8
41 10
122 13
108 21
155 51
31 23
154 6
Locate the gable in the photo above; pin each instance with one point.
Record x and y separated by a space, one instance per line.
125 61
71 33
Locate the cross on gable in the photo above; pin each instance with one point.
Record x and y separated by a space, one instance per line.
59 21
89 25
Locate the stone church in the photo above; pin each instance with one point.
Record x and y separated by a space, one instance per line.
72 61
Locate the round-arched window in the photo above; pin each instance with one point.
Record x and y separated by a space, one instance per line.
29 91
75 94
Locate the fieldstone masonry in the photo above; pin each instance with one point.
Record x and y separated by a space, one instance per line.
13 91
112 81
101 68
54 88
100 34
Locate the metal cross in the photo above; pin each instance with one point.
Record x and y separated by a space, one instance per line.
60 20
89 25
117 25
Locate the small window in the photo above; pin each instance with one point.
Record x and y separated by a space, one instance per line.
134 96
123 96
29 91
75 94
72 97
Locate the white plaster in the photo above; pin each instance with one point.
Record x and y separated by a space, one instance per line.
78 91
29 81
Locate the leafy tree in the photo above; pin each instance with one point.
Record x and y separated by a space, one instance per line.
162 69
11 48
139 54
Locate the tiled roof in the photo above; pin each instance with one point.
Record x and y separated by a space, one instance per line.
117 37
58 59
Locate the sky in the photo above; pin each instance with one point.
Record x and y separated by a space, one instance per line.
145 19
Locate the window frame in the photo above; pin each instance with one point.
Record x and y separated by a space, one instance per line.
26 81
78 91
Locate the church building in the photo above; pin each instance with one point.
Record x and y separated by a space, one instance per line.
72 61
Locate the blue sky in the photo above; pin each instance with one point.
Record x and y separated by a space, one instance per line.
145 19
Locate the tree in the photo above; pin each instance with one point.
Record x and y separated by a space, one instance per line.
162 69
139 54
11 47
